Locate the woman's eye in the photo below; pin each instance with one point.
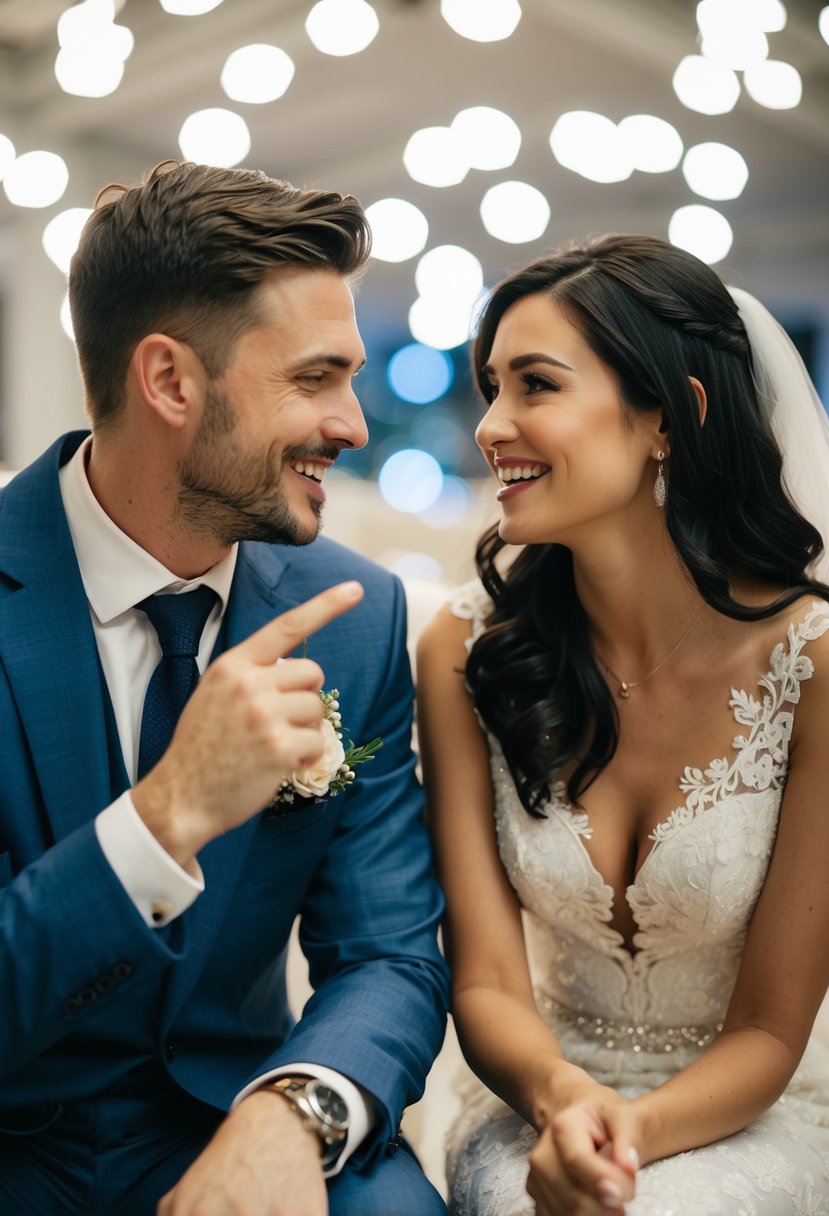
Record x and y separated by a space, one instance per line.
539 384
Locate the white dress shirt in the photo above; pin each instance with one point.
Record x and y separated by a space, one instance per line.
117 573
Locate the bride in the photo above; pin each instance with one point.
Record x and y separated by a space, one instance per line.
625 732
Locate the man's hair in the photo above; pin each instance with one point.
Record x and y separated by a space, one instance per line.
183 254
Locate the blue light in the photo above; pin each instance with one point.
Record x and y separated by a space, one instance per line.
411 480
419 373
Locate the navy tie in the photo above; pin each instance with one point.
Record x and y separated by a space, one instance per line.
179 621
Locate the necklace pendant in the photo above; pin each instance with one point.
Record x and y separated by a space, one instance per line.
624 690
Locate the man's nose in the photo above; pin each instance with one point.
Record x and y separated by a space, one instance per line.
346 425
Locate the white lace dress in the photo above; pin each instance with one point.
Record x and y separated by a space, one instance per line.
632 1020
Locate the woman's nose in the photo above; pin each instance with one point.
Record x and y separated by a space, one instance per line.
496 426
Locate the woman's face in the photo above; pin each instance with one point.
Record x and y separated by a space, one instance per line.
557 435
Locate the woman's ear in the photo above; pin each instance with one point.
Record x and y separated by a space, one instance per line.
701 396
169 378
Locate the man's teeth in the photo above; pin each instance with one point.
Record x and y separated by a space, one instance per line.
309 468
519 472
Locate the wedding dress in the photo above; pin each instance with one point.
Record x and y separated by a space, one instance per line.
633 1019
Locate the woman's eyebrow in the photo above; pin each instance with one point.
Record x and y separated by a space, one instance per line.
521 361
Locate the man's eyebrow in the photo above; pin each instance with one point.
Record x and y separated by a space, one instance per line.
522 361
331 360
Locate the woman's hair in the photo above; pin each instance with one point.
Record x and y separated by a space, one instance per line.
656 315
183 253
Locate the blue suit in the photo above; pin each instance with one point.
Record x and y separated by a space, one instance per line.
88 991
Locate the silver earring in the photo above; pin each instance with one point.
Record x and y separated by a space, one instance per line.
659 491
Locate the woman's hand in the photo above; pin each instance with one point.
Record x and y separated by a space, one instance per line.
584 1163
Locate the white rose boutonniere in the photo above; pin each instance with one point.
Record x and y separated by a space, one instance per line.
333 770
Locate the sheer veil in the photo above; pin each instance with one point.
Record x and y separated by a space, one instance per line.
797 416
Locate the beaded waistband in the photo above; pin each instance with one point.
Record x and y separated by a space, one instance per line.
629 1036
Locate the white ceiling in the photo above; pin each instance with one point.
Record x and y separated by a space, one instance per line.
343 123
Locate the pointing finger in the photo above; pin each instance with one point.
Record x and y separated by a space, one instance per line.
283 634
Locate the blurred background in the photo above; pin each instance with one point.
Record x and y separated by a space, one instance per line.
480 133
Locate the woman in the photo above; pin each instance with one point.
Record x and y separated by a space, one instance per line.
608 723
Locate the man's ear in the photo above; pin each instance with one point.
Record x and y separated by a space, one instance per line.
169 377
701 396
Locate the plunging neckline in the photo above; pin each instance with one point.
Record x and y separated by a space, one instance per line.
746 710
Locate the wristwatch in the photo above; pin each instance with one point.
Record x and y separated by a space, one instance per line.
321 1109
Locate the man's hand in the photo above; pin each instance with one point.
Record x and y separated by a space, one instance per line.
250 723
261 1162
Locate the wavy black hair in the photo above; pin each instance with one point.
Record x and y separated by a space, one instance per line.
656 315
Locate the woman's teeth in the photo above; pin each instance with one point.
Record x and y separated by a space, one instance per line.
521 472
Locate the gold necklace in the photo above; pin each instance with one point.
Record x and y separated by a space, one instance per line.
625 686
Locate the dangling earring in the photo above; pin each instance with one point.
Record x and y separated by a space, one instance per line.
659 491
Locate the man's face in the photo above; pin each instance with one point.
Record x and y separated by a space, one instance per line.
278 416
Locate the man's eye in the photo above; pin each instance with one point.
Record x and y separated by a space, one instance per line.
313 377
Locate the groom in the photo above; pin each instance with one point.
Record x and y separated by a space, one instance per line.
149 879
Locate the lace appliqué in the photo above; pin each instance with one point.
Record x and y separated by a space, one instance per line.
761 756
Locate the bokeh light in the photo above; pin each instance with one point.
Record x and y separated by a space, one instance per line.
590 144
342 27
488 138
706 86
189 8
515 212
7 155
715 171
36 179
399 230
738 49
83 21
441 323
774 84
214 137
450 271
419 374
62 234
433 156
257 73
701 230
410 480
652 144
481 20
716 17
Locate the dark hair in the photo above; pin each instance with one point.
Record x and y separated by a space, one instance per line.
183 253
656 315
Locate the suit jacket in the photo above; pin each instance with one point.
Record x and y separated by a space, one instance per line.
74 952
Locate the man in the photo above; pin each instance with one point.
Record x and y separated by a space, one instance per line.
146 897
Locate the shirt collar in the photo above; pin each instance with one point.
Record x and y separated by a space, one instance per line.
116 572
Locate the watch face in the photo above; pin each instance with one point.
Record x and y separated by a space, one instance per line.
330 1105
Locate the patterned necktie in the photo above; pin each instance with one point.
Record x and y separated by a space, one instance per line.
179 621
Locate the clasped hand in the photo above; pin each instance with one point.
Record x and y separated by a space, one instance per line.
584 1163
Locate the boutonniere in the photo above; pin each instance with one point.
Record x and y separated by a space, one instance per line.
334 769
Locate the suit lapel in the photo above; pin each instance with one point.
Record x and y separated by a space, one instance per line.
48 648
253 602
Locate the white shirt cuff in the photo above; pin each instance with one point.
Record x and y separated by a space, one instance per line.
160 889
361 1116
